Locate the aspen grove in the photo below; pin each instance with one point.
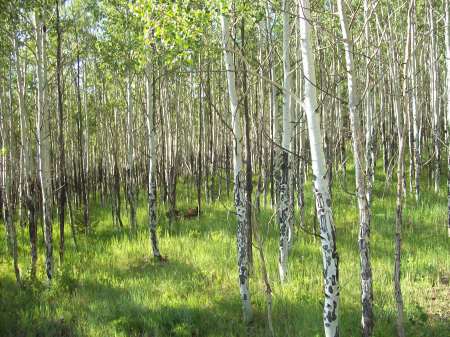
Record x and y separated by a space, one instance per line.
225 168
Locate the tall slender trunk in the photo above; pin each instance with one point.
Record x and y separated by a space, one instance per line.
398 224
82 172
370 100
8 138
130 155
62 155
415 113
151 162
434 95
239 179
199 154
248 153
447 65
117 205
273 101
367 320
43 146
321 185
28 195
284 209
301 135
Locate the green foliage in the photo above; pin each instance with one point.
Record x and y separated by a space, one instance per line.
3 152
174 29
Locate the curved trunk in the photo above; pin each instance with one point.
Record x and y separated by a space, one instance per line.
239 174
321 185
361 183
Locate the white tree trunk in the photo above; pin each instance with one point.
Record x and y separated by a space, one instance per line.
43 146
284 209
415 112
25 170
25 157
361 183
239 181
274 130
370 128
151 163
447 65
9 167
130 155
434 95
321 184
401 130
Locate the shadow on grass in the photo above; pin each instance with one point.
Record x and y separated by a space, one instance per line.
22 314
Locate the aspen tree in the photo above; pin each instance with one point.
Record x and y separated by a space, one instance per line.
447 66
151 162
238 172
320 177
43 146
284 209
62 155
367 320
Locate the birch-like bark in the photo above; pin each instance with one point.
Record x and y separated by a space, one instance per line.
200 143
117 204
434 95
361 183
26 161
320 177
151 163
43 146
300 118
130 155
401 130
284 209
415 112
62 155
82 190
8 140
273 100
401 134
398 223
447 65
248 154
370 128
239 178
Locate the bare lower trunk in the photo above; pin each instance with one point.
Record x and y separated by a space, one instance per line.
43 148
239 178
9 168
367 320
130 157
415 112
321 185
264 274
284 209
151 164
62 158
26 173
447 63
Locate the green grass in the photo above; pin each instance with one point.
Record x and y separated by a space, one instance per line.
112 287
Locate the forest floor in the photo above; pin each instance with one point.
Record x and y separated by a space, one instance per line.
111 286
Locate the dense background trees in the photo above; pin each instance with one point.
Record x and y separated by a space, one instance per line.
184 106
